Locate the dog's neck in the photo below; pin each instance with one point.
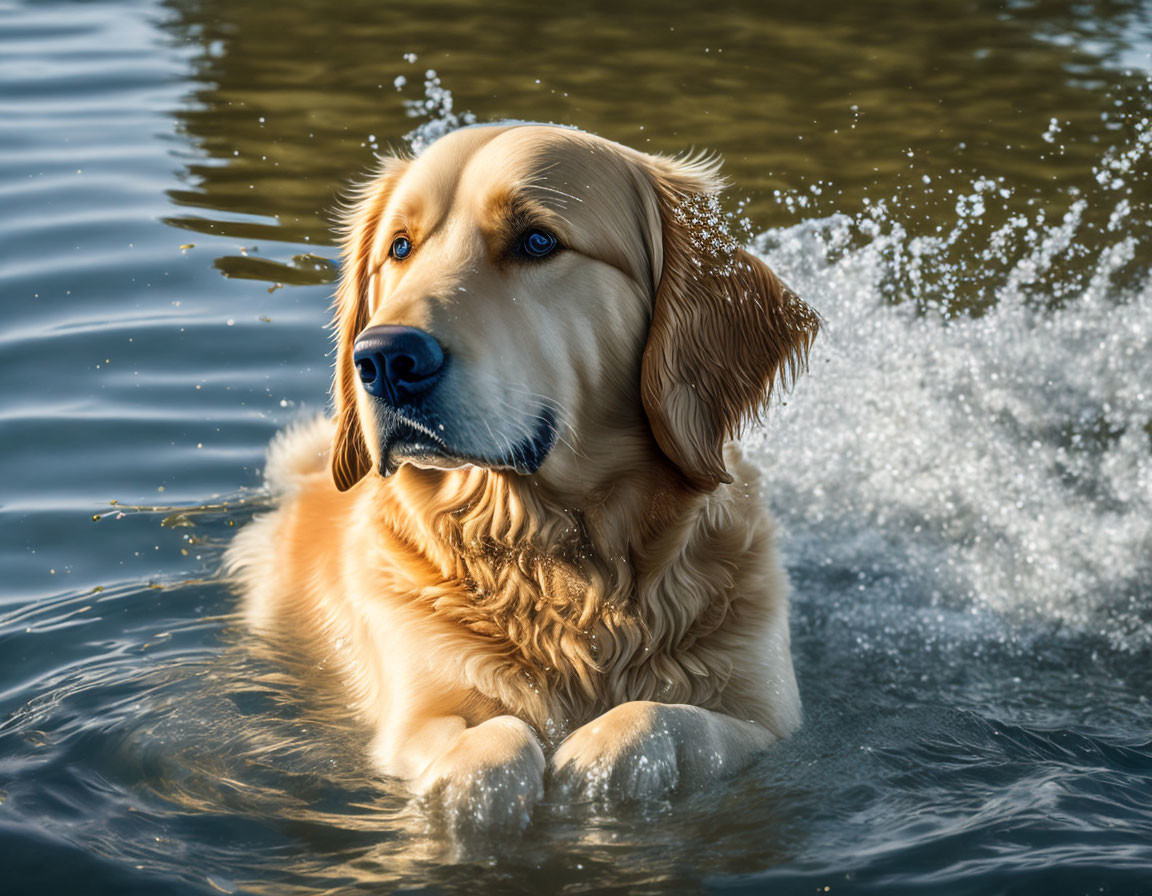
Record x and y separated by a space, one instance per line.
564 595
454 515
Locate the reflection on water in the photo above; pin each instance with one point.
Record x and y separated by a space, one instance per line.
856 102
812 116
965 498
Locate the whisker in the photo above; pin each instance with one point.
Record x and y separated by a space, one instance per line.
540 186
507 408
499 390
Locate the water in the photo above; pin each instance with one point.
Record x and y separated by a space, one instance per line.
963 481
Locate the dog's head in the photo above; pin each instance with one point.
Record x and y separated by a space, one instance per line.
539 300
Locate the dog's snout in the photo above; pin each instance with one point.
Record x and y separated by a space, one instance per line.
397 363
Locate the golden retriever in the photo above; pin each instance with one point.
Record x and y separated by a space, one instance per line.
523 541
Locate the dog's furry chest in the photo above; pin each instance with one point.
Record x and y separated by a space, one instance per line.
557 639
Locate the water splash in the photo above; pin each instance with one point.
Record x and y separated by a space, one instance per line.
707 224
436 107
988 469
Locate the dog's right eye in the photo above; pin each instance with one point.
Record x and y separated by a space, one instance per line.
536 243
401 248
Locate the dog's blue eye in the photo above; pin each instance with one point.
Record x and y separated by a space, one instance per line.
537 244
401 248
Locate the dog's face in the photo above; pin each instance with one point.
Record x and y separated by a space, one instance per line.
538 300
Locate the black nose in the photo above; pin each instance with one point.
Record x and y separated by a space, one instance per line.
397 363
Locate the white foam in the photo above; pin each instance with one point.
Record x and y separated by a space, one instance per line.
996 467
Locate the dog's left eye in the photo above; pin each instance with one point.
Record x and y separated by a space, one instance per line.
536 243
401 248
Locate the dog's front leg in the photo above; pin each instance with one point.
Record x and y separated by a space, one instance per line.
487 777
643 751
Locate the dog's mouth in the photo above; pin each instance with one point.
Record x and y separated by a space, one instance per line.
404 440
406 443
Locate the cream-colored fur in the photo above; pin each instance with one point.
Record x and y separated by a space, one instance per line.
616 620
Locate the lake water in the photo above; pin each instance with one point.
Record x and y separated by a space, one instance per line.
963 482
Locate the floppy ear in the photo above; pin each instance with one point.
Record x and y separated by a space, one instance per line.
351 460
725 331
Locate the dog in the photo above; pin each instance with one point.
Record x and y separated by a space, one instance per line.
524 540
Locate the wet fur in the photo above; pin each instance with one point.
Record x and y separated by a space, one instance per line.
624 600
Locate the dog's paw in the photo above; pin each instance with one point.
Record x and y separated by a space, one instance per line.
638 751
488 781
